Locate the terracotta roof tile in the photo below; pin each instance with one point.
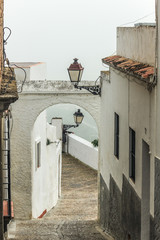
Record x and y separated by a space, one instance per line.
139 70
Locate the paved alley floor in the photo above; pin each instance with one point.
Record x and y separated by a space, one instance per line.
75 215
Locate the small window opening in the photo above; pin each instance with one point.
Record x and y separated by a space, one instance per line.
38 154
132 150
116 135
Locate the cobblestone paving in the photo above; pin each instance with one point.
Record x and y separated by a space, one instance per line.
75 215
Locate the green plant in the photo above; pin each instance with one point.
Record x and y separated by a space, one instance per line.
95 142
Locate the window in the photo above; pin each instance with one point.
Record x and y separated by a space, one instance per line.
132 148
37 154
116 135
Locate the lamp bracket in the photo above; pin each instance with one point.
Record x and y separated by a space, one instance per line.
67 126
95 90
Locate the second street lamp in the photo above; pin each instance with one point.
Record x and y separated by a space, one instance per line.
78 118
75 74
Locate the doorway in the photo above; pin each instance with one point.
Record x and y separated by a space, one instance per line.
145 205
59 177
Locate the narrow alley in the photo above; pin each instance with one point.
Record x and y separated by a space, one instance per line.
75 215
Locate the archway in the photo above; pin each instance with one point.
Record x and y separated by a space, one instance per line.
24 112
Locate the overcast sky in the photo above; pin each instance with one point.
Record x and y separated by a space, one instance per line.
56 31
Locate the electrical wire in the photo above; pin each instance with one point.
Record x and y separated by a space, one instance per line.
131 78
25 77
105 66
137 20
97 80
5 43
6 60
10 32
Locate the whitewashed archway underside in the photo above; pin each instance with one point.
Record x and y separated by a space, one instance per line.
36 97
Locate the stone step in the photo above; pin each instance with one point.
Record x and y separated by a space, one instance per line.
74 216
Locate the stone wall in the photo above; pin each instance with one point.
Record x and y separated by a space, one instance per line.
157 199
120 211
1 39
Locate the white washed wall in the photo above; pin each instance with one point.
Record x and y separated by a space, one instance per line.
58 123
54 160
20 74
133 42
38 180
38 72
34 72
45 179
83 150
134 104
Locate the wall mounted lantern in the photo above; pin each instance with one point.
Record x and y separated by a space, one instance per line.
75 74
78 118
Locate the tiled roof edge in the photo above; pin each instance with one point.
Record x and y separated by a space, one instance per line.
139 70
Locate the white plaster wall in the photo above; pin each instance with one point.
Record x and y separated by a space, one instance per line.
58 123
139 120
24 113
155 150
45 185
38 72
20 74
83 150
133 42
39 191
54 161
158 87
114 98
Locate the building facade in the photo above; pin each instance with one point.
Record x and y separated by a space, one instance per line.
128 136
8 94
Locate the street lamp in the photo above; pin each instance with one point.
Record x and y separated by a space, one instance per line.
75 74
75 71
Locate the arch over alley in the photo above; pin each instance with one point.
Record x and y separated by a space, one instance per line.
35 98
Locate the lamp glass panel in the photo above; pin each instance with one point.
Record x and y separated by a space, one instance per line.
78 119
75 118
80 75
74 75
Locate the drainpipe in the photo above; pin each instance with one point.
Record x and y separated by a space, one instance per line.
3 107
6 167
